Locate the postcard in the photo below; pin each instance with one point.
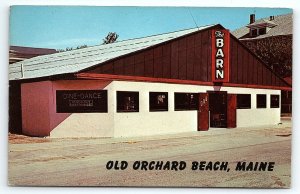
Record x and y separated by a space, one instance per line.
150 96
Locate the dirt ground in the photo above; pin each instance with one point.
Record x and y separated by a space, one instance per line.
82 161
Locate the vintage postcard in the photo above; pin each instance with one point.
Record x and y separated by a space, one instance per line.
150 96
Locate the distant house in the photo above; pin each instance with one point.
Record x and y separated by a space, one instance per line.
20 53
280 25
271 40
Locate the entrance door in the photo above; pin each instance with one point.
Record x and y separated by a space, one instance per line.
203 112
218 109
231 111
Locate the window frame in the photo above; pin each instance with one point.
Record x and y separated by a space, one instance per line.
254 32
163 108
237 102
191 107
277 105
120 94
265 103
262 31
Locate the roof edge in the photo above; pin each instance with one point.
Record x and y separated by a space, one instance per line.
96 76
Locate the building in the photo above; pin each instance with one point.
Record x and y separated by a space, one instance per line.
271 40
20 53
189 80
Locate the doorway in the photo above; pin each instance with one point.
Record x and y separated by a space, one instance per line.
218 109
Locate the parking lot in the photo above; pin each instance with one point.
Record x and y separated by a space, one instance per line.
82 161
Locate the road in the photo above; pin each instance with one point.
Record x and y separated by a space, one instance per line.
82 161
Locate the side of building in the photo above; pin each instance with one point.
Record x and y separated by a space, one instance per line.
155 85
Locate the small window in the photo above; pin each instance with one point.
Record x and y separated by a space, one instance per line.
127 101
274 101
244 101
253 32
158 101
186 101
261 101
262 31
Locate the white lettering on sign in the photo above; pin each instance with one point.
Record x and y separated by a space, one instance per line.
220 74
219 71
75 96
219 63
219 42
220 53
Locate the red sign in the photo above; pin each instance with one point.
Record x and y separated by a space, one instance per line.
220 55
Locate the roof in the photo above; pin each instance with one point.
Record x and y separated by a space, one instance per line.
262 23
284 26
31 50
20 53
80 59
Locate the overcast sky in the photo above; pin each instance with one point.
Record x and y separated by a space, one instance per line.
65 26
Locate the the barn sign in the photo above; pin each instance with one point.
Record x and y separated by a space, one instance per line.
220 55
81 101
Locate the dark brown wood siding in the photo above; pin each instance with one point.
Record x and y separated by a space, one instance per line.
189 58
247 69
186 58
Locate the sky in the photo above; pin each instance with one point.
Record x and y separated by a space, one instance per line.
60 27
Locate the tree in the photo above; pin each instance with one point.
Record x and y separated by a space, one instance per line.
275 51
110 38
71 48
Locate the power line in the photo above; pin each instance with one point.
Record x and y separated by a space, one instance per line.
193 17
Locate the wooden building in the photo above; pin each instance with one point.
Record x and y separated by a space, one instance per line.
271 39
189 80
20 53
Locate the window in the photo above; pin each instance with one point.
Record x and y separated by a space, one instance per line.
81 101
186 101
262 31
274 101
244 101
127 101
253 32
158 101
261 101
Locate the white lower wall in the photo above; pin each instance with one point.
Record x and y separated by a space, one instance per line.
150 123
257 117
88 124
144 122
85 125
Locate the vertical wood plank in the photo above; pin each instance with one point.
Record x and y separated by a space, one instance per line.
190 57
250 69
182 55
158 62
233 61
231 110
174 59
203 112
167 61
129 65
209 62
108 68
198 56
204 55
245 66
149 63
240 64
139 63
